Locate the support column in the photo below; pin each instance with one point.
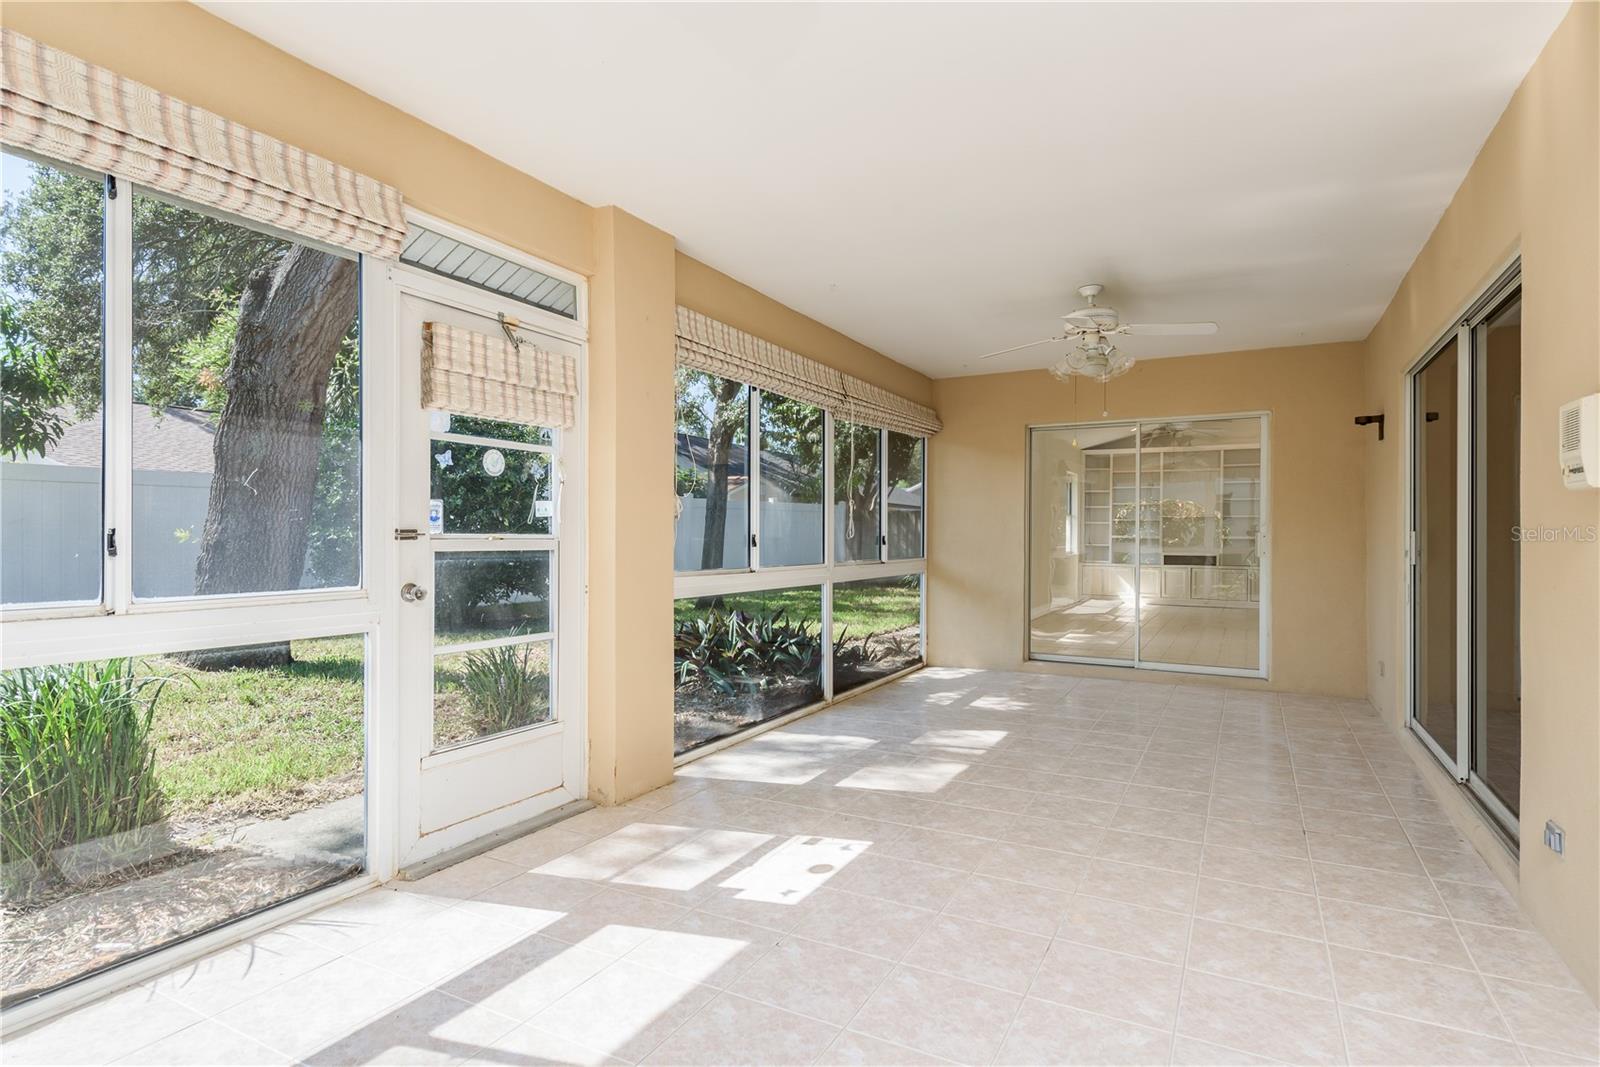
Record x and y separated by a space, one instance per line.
632 347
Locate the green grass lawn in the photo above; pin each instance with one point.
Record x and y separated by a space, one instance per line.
256 739
860 607
277 739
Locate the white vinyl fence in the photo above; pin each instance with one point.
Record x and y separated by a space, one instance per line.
791 533
51 530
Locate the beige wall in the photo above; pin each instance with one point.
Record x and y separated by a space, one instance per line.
636 276
631 357
978 508
1534 188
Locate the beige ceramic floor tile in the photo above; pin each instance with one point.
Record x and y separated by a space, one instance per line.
1293 963
1399 933
1266 1022
978 952
1556 1019
1281 912
1403 891
1128 928
1426 992
863 924
821 981
1257 868
527 976
1382 1040
1048 1033
119 1024
1145 886
205 1044
851 1049
434 1028
933 1013
732 1029
624 1011
1029 909
1518 954
1123 987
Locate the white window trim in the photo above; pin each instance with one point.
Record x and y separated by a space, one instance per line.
34 638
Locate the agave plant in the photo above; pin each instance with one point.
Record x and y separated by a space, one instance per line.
736 650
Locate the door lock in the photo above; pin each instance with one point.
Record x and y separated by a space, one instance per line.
411 592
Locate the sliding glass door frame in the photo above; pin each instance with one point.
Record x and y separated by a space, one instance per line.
1471 536
1264 553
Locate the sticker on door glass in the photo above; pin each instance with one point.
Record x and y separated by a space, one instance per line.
494 462
439 421
436 516
544 509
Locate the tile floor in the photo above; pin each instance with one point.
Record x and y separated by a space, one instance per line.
1172 633
961 867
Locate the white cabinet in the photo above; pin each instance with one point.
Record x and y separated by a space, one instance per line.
1175 583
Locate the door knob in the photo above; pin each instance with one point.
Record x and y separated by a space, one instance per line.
411 592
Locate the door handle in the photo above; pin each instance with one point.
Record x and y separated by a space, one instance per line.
411 592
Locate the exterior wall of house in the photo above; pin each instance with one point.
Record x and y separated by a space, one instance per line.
977 502
1535 190
636 276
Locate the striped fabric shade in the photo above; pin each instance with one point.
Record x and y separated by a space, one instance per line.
704 344
471 373
61 107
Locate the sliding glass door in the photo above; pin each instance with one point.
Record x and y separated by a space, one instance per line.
1147 544
1436 563
1464 552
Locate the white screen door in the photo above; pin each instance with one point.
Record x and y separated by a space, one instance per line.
491 590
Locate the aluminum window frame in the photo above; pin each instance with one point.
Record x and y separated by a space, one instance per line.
757 578
119 625
1470 579
1136 662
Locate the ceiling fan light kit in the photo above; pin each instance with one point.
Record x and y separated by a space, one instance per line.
1093 326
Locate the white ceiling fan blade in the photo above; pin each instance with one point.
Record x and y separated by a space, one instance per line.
1168 329
1019 348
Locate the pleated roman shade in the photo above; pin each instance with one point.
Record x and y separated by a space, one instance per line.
471 373
66 109
704 344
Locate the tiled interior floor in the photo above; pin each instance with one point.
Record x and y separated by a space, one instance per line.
963 866
1102 627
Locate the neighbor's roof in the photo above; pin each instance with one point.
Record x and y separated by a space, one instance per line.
170 439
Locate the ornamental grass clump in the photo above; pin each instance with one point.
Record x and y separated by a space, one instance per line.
77 764
507 687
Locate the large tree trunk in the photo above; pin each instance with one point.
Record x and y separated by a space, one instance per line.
720 443
292 321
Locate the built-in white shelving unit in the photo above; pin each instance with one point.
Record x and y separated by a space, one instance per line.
1188 518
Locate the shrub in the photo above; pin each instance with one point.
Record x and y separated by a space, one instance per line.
77 761
728 650
506 687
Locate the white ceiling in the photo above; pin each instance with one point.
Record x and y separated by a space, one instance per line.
936 180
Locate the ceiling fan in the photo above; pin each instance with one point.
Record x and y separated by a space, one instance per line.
1093 326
